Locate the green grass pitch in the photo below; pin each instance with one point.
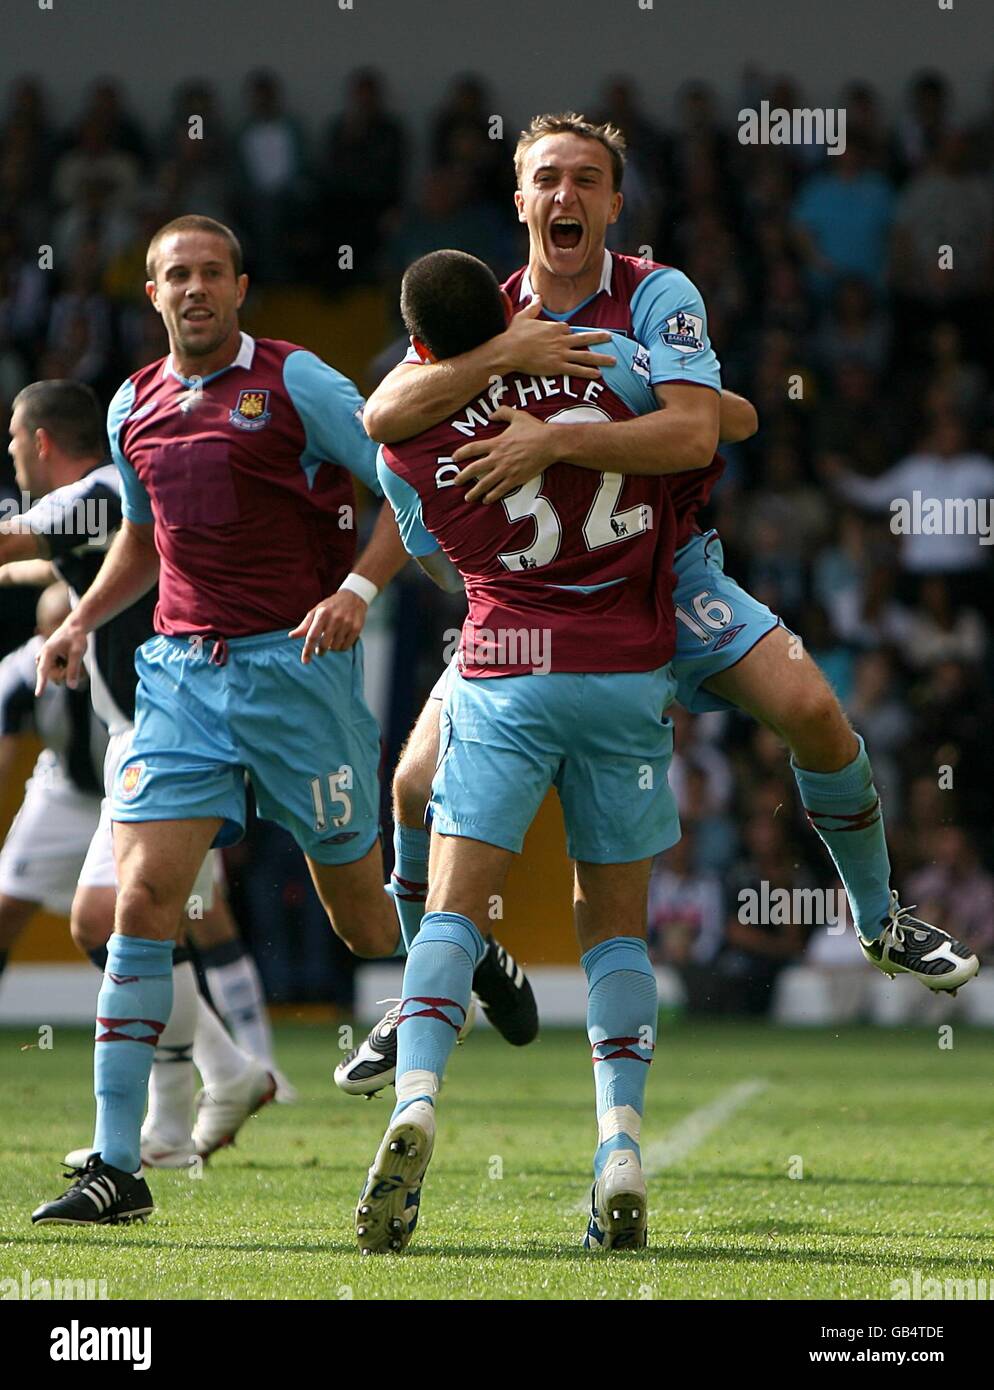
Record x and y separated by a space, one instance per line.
894 1137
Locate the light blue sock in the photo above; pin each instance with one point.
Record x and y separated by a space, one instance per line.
409 880
133 1007
438 981
622 1007
844 810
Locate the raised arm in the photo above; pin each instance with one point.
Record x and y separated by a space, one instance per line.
415 397
679 438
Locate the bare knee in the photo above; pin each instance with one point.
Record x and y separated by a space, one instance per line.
412 787
369 937
814 724
149 907
92 919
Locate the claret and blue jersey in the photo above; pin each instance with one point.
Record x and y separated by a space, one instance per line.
581 556
248 477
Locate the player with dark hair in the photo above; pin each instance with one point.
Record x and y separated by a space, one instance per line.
583 561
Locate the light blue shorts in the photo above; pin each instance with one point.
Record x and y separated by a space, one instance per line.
302 734
717 622
600 740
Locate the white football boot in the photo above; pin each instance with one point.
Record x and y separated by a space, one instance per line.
908 946
387 1212
618 1219
223 1110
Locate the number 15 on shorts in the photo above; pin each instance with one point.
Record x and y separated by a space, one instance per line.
337 808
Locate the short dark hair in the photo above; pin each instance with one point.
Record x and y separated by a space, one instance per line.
194 222
451 301
69 411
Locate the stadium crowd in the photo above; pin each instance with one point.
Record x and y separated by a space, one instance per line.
828 307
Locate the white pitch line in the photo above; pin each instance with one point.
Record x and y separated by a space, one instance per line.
691 1131
694 1128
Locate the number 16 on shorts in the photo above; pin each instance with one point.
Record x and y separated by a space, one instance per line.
714 615
331 800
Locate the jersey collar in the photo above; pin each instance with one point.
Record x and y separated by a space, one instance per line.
604 287
244 359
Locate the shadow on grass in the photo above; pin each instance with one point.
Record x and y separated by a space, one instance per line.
681 1253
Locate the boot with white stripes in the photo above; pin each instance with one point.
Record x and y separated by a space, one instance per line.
99 1196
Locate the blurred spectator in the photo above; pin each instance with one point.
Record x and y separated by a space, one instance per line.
105 106
865 121
943 471
79 334
271 171
859 421
93 160
194 170
881 716
945 211
842 220
362 170
921 127
960 385
934 630
954 892
855 330
685 908
463 137
758 943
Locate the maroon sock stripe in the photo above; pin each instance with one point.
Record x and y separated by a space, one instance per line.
860 820
114 1024
434 1010
413 892
624 1049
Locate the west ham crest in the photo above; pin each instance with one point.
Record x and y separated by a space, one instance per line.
251 410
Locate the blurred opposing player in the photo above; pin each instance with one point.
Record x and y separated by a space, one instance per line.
563 674
56 442
731 650
47 842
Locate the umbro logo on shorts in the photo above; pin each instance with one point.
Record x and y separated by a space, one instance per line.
727 636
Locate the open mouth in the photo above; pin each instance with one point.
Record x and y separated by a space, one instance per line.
565 233
198 315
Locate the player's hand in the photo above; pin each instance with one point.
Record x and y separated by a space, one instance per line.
545 347
498 465
61 658
333 625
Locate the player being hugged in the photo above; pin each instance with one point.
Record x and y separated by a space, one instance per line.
563 674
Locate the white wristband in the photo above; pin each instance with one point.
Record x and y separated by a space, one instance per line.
358 584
